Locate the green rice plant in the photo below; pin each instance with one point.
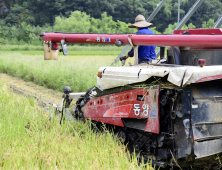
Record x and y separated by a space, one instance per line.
73 53
29 140
71 47
78 72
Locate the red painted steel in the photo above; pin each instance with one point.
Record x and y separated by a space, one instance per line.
177 39
199 31
120 111
55 46
111 108
209 78
201 62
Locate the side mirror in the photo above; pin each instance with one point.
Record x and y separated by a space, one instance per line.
64 47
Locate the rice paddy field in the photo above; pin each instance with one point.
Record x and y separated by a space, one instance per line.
28 140
77 70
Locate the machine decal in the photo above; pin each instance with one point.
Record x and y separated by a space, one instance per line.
98 39
209 78
194 106
145 109
153 113
121 111
218 119
137 109
47 42
103 39
91 39
108 40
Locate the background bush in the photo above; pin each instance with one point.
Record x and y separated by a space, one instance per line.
39 12
77 22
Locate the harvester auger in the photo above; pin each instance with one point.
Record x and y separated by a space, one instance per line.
168 111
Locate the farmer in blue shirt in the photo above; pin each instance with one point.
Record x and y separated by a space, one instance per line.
145 53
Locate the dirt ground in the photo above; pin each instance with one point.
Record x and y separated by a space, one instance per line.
52 95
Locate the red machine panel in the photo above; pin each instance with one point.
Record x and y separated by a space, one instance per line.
198 38
137 103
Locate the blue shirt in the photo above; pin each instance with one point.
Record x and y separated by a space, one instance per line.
144 52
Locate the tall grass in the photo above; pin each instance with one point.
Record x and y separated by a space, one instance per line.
71 47
78 72
28 140
74 53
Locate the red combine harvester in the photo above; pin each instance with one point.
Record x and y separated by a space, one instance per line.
169 111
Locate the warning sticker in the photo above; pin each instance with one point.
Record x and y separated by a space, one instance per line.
194 106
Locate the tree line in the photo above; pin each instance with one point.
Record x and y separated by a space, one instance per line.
44 13
77 22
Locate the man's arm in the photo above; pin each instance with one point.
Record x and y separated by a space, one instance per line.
130 53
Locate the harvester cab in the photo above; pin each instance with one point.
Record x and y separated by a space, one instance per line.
169 111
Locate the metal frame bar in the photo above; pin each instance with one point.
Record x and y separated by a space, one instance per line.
178 19
135 54
185 18
76 95
189 14
218 22
159 6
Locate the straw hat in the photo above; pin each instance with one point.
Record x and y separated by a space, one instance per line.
140 22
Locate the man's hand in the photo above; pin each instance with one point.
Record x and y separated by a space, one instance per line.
123 59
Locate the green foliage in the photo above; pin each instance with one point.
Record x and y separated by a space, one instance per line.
168 13
154 30
107 24
171 27
77 22
123 27
20 13
208 24
189 26
80 22
22 34
38 12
